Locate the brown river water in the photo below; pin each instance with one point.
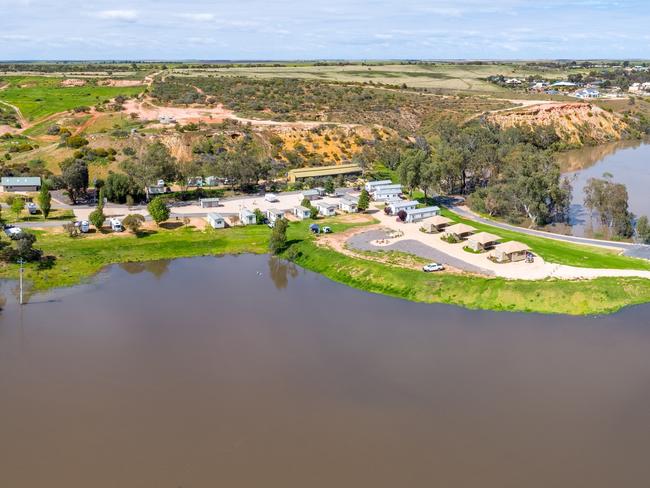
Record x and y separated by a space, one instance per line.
627 161
247 372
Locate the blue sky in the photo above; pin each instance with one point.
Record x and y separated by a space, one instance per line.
324 29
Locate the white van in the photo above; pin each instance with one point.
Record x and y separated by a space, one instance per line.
116 225
84 226
271 197
32 208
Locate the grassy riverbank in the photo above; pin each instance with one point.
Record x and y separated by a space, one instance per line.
77 259
603 295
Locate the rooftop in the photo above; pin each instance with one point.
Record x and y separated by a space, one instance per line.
438 220
512 247
21 180
324 171
484 238
460 229
422 210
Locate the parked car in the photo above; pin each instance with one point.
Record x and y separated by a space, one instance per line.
271 197
327 230
12 231
314 228
32 208
432 267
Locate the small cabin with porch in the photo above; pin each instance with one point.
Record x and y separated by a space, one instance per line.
246 217
348 205
301 212
326 209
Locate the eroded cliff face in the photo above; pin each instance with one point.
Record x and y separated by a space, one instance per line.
575 123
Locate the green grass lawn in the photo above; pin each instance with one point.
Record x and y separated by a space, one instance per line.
559 252
77 259
38 96
25 216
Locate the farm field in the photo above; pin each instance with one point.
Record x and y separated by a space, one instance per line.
38 96
439 76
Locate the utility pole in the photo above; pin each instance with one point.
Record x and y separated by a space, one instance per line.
21 261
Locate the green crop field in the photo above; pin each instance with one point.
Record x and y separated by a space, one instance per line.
39 96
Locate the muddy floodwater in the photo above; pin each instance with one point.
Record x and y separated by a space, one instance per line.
247 372
628 162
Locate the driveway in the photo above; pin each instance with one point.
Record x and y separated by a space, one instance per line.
364 242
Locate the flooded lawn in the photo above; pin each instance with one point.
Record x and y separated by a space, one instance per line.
248 372
628 162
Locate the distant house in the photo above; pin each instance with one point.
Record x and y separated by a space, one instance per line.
20 183
274 214
246 217
153 191
211 181
564 84
310 195
482 241
387 193
372 185
301 212
326 209
348 205
216 220
405 205
587 93
209 202
417 214
510 252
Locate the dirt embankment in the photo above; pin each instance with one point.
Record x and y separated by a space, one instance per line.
574 123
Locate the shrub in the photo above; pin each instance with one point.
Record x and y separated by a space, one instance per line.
158 209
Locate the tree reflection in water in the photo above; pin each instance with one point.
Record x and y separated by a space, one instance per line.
156 268
281 271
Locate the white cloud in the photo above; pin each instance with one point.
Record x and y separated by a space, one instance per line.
123 15
198 17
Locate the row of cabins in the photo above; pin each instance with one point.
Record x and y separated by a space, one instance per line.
511 251
247 217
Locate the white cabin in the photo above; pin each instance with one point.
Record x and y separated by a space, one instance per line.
301 212
216 220
246 217
347 205
373 185
274 214
326 209
406 205
417 214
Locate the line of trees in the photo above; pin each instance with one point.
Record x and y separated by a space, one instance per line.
506 173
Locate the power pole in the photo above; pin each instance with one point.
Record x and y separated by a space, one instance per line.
21 261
